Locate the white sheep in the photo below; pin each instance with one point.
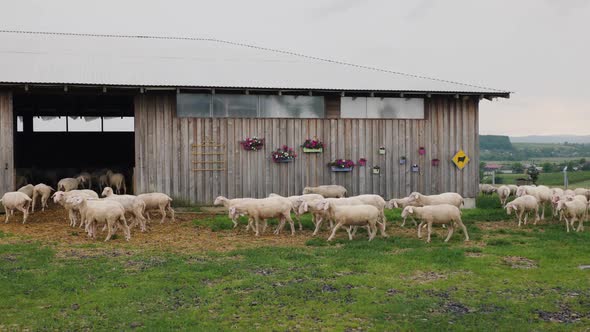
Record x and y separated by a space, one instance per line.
443 214
108 212
85 180
43 192
327 191
68 184
228 203
583 191
16 200
513 189
569 192
60 197
487 189
557 191
27 190
418 199
542 194
263 209
378 202
321 213
296 201
401 203
573 210
117 181
132 205
157 201
503 194
103 181
523 205
363 215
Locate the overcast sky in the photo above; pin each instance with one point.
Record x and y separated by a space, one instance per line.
538 49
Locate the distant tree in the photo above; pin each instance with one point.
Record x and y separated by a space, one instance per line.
586 166
482 166
582 161
548 167
517 168
533 173
571 165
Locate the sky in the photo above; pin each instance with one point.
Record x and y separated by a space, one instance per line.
537 49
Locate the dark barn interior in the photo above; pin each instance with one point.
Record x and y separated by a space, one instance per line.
60 135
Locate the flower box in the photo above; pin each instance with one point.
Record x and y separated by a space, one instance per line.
308 150
402 160
376 170
313 146
422 151
283 155
252 144
280 161
340 169
415 168
435 162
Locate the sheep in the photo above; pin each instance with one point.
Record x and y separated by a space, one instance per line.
132 205
262 209
582 191
557 191
401 203
221 200
27 190
103 181
60 197
437 214
575 209
16 200
418 199
378 202
554 200
503 193
296 201
569 192
109 212
42 191
541 193
327 191
513 189
68 184
84 179
117 181
523 205
321 214
487 189
352 216
157 201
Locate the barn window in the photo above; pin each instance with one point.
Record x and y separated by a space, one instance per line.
382 108
292 107
118 123
19 124
49 123
84 123
235 106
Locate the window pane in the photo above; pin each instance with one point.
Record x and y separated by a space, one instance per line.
126 123
353 107
84 123
49 123
235 106
195 105
19 124
292 107
382 108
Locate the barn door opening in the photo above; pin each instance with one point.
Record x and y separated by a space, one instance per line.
60 135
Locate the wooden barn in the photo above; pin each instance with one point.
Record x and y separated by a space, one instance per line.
171 114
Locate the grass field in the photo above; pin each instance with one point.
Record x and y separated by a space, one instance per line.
505 279
576 179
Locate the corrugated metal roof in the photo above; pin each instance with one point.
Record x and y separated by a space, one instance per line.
91 60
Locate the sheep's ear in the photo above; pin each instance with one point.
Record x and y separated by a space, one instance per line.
326 206
232 210
415 196
515 207
410 209
395 204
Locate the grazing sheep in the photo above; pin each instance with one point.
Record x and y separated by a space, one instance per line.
321 214
503 193
42 191
157 201
132 205
327 191
418 199
554 200
84 180
117 181
60 197
228 203
16 200
569 192
108 212
68 184
317 215
296 201
557 191
27 190
573 210
583 191
513 189
523 205
378 202
444 214
401 203
541 193
487 189
263 209
353 216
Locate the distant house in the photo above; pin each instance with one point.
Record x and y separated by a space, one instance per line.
489 167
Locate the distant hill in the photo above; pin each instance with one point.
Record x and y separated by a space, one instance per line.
494 142
550 139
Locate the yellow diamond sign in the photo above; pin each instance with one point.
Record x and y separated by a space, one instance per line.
460 159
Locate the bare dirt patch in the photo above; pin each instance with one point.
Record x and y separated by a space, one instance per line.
516 262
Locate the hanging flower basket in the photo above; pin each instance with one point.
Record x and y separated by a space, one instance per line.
376 170
422 151
312 146
362 162
382 150
252 144
402 160
341 165
415 168
435 162
284 155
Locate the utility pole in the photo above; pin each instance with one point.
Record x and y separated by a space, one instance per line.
565 181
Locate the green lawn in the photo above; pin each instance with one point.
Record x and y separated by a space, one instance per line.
505 279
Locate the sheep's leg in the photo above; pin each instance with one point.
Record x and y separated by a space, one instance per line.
372 233
265 226
34 201
163 212
429 232
235 222
291 223
526 215
348 230
384 220
354 229
451 230
126 230
317 226
110 233
580 225
403 222
280 225
171 211
567 224
298 218
338 225
257 226
124 189
382 227
7 215
420 229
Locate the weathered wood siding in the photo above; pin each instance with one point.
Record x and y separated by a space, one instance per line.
164 146
6 143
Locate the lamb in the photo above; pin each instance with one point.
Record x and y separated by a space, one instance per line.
296 201
68 184
263 209
16 200
575 209
377 201
60 197
513 189
444 214
503 193
541 193
117 181
228 203
352 216
27 190
321 213
327 191
523 205
418 199
157 201
487 189
401 203
109 212
84 179
42 191
132 205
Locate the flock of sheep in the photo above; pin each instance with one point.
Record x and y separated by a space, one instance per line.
568 205
86 209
